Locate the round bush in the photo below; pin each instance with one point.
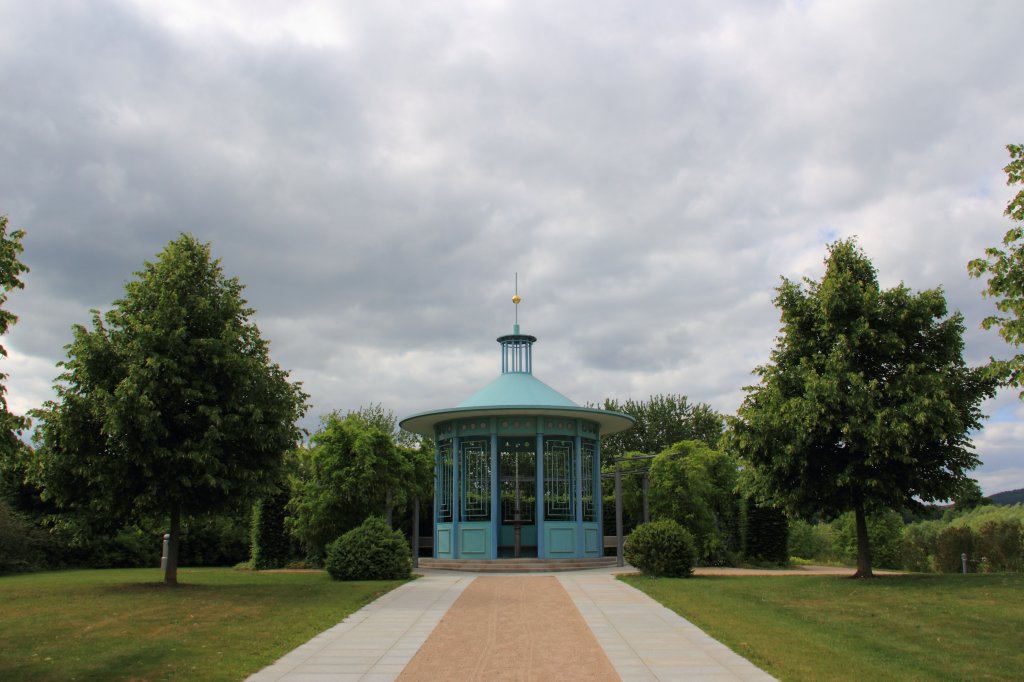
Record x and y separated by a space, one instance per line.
662 548
371 551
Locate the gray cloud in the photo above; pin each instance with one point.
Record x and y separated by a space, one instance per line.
376 174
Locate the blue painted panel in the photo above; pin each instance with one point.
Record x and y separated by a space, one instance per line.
560 539
474 541
528 537
444 541
591 540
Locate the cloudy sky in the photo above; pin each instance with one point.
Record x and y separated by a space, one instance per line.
377 173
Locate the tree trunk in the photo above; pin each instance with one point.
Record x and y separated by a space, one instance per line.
171 570
863 548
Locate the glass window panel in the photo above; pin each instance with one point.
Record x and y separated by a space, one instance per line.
444 482
559 479
475 479
518 479
587 484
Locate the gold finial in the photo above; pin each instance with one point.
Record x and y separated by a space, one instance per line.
515 300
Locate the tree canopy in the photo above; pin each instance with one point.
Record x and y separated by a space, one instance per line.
661 421
11 269
170 403
866 403
356 466
1005 267
696 487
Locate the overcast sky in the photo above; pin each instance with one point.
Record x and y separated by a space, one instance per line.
376 174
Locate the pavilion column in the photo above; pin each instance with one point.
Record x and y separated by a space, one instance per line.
578 488
437 488
540 488
598 494
456 503
495 490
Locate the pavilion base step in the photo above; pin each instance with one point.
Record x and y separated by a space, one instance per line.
517 565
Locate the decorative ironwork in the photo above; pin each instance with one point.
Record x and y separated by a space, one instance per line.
587 484
518 477
475 479
559 479
444 482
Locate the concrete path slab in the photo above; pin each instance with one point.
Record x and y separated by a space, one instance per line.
376 642
643 640
646 641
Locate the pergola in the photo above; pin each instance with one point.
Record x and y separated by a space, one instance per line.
517 468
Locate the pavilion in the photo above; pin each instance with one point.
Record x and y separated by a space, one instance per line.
517 467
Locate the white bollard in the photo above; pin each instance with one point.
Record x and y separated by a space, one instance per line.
963 560
163 559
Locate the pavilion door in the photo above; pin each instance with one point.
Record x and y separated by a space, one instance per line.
518 458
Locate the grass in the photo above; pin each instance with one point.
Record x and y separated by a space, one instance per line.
123 624
908 627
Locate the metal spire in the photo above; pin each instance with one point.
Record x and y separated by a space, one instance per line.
516 299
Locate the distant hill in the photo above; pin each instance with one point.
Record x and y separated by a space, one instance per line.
1008 497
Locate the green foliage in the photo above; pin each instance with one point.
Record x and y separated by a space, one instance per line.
661 548
950 544
812 541
661 421
372 551
11 269
695 486
22 543
919 546
765 534
976 518
352 469
885 533
270 544
866 403
999 546
1005 267
170 403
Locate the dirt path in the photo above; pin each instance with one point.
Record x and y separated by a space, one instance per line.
511 628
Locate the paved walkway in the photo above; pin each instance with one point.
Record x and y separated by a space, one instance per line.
643 640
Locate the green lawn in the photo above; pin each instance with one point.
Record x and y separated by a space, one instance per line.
220 624
908 627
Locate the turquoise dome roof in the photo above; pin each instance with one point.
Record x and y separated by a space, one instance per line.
517 391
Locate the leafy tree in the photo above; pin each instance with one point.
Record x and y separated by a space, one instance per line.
10 271
695 486
661 421
353 469
866 403
1006 277
170 403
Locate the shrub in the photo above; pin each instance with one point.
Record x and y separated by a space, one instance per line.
885 532
662 548
21 542
766 536
1000 543
270 545
951 543
810 541
919 546
371 551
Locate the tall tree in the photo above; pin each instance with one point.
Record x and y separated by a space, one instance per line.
1005 267
661 421
696 487
356 467
11 269
170 403
866 403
